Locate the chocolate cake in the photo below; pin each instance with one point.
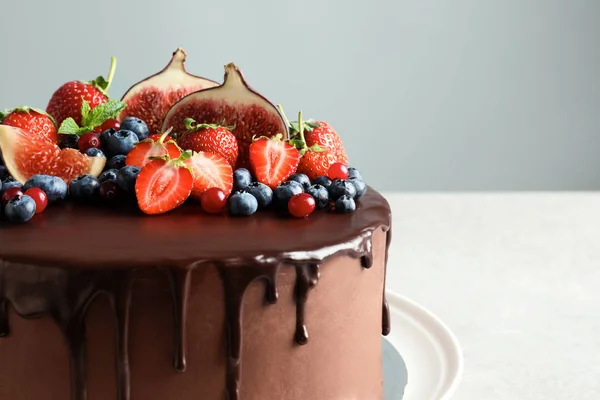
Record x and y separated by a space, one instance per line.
101 304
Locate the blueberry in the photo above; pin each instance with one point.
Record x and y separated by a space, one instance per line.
345 204
120 142
284 192
9 183
360 186
353 173
20 208
341 187
320 193
68 142
116 162
105 135
263 193
94 152
301 179
55 188
241 179
242 204
136 126
84 187
126 178
3 173
108 175
323 181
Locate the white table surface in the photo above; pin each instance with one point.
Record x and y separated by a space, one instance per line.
516 277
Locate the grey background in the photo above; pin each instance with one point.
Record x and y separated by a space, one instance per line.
427 94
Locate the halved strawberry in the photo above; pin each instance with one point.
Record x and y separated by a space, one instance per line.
210 171
272 160
163 185
141 153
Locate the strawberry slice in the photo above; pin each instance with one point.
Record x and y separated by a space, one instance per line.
140 155
210 171
272 160
164 184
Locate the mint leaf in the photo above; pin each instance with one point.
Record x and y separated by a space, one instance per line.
104 112
85 111
69 127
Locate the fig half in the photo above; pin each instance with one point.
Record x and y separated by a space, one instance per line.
235 104
151 98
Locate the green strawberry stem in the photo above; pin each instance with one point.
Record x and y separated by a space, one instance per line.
162 138
189 125
111 72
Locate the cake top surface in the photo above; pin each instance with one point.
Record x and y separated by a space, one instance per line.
75 236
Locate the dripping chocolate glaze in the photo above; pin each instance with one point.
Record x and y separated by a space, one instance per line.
64 273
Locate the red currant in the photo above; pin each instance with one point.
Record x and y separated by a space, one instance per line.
10 193
301 205
40 198
213 200
337 171
108 124
88 141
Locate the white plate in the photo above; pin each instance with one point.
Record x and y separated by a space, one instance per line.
429 350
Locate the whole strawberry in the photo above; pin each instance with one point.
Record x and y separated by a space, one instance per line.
319 145
66 101
31 120
210 138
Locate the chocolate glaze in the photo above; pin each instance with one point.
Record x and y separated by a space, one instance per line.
74 246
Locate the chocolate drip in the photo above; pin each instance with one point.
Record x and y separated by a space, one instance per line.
180 287
236 279
121 300
307 277
386 326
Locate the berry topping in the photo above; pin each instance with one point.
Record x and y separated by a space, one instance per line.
320 194
68 142
272 160
301 179
263 193
210 171
10 193
284 192
88 141
120 143
34 121
93 152
213 200
163 185
242 204
8 184
108 175
141 154
301 205
345 204
360 186
211 138
84 187
40 198
110 190
337 171
323 181
54 187
67 100
241 179
353 173
110 123
126 178
106 134
20 208
341 187
116 162
136 126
